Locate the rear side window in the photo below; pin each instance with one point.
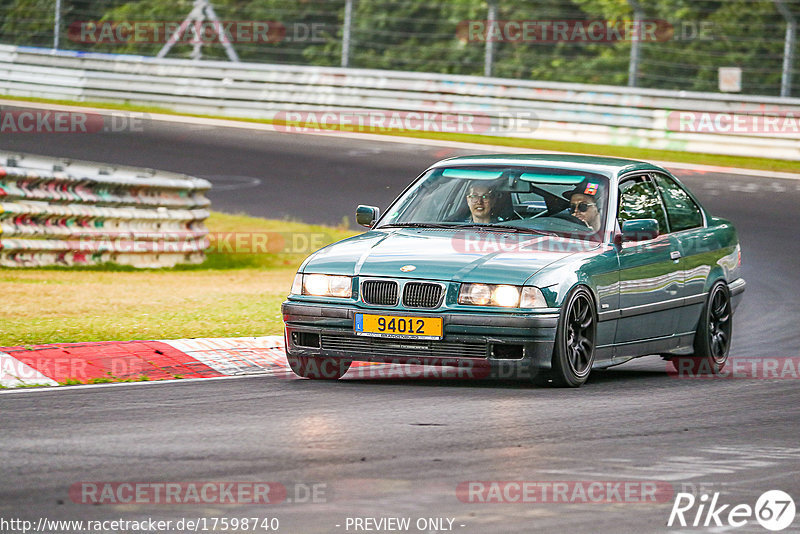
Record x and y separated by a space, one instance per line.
638 199
682 212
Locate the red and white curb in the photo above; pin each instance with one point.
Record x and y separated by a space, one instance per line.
113 361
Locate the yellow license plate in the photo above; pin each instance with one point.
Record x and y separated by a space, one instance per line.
396 326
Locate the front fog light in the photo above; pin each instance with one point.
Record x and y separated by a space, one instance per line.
532 298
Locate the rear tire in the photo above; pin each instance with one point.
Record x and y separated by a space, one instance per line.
573 352
712 341
318 368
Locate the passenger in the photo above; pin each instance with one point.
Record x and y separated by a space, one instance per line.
481 201
488 205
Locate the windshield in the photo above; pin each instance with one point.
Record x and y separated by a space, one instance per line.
560 201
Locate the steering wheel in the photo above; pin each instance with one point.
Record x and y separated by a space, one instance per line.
570 218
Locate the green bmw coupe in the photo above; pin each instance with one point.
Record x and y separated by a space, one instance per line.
549 265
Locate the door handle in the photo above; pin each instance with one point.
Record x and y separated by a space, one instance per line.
675 255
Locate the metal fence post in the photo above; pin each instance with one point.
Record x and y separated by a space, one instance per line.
633 64
788 48
346 28
201 10
57 25
488 57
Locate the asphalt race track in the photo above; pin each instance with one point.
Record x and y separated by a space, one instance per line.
389 447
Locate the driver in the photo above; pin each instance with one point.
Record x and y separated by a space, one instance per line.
584 203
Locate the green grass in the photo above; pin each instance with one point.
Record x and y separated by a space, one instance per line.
110 379
25 386
624 151
263 243
231 294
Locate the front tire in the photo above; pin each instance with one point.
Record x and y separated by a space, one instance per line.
318 368
576 337
712 341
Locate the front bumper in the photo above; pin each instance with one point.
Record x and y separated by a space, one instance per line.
481 340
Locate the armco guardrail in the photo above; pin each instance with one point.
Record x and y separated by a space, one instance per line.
669 120
61 212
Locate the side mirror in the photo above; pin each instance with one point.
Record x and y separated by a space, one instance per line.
367 215
639 230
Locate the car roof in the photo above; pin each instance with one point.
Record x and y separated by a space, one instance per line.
599 164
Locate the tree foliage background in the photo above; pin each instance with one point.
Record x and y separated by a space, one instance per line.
428 36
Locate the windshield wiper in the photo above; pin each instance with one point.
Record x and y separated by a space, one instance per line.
461 226
507 227
419 225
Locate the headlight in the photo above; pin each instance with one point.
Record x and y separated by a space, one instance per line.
503 296
322 285
506 296
477 294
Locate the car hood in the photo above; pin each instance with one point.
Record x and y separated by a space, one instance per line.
444 254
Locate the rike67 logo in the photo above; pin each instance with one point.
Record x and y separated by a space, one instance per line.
774 510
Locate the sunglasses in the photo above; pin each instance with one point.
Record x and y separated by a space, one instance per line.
482 197
582 207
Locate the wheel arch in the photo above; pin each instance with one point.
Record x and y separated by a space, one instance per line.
717 274
568 285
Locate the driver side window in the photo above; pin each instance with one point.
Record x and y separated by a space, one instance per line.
638 199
